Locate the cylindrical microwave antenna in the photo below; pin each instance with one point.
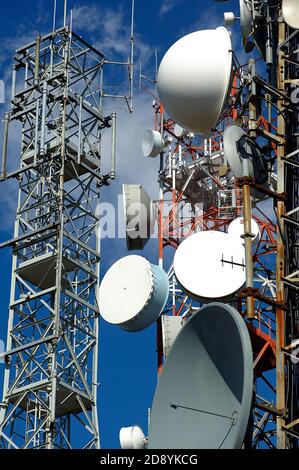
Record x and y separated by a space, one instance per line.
133 293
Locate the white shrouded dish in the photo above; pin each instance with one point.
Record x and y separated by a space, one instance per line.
132 437
290 11
200 270
152 143
133 293
194 79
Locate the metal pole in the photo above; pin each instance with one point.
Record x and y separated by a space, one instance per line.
65 13
132 57
113 146
37 59
44 115
96 331
250 313
80 132
36 131
269 42
54 15
248 249
13 84
280 263
5 143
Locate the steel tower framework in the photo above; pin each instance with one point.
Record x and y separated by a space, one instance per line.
190 177
50 385
268 109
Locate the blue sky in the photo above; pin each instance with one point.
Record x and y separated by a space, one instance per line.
127 362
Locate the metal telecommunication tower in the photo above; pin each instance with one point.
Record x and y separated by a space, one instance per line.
194 172
50 385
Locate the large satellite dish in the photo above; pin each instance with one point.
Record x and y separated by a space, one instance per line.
140 216
236 229
243 155
194 79
133 293
204 395
132 437
152 143
209 265
290 11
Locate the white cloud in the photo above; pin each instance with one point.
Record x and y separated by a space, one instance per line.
132 166
168 5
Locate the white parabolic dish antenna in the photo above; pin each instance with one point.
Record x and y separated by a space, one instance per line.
194 78
290 11
133 293
204 265
204 395
132 437
236 229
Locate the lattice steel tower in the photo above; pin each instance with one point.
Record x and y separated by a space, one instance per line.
50 385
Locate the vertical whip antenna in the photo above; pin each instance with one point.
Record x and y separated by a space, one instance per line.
71 22
54 15
156 66
65 13
131 66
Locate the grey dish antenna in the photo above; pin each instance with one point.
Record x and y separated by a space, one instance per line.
140 216
246 25
243 155
253 29
204 395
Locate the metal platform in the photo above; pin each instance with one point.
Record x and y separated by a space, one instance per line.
41 271
68 399
73 168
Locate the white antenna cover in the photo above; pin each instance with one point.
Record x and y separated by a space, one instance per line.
178 131
152 143
229 18
140 216
171 326
236 229
204 265
132 437
194 79
133 293
290 11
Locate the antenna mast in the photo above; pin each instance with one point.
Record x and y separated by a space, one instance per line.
50 385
